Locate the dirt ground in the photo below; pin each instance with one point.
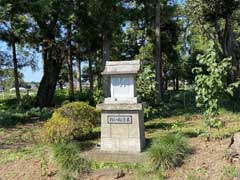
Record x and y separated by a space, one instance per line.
207 161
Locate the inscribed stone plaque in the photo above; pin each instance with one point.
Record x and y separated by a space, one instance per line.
119 119
122 87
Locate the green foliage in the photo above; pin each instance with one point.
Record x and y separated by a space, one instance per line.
146 85
98 95
60 96
229 172
211 85
68 157
168 151
13 117
43 113
73 120
27 102
82 96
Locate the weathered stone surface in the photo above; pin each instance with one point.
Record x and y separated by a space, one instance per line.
122 137
119 157
234 148
122 124
122 106
106 174
129 100
121 67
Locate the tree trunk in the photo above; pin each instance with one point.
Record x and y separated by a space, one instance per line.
177 82
106 49
69 63
79 75
166 85
51 70
90 75
15 72
158 59
106 57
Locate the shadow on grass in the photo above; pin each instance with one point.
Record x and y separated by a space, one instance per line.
159 125
183 102
91 136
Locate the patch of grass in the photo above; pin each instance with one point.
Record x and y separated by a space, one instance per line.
229 172
68 157
125 166
8 155
145 171
192 175
168 151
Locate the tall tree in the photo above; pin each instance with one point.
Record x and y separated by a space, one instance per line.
158 58
14 26
218 21
46 13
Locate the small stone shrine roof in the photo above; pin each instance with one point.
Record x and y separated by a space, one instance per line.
121 67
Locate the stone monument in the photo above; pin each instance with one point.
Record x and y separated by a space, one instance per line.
122 120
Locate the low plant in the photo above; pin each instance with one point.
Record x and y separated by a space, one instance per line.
60 96
229 172
68 157
73 120
167 151
211 85
98 95
43 113
27 102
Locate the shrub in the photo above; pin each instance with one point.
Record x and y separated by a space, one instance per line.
73 120
27 102
42 114
68 157
98 95
10 118
60 96
82 96
211 85
168 151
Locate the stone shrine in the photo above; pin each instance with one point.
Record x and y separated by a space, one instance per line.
122 120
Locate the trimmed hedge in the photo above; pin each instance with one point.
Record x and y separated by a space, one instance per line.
72 120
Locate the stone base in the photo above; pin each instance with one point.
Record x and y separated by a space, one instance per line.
98 155
122 137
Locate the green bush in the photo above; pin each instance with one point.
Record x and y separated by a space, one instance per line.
42 114
73 120
168 151
82 96
68 158
10 118
27 102
60 96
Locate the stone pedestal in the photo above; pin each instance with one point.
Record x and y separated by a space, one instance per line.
122 123
122 127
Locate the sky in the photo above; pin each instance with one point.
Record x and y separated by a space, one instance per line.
29 74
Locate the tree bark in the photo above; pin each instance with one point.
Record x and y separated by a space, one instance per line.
51 69
79 75
166 85
106 57
90 75
177 81
106 49
79 71
15 71
69 63
158 59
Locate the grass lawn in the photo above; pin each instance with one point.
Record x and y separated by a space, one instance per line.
24 156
